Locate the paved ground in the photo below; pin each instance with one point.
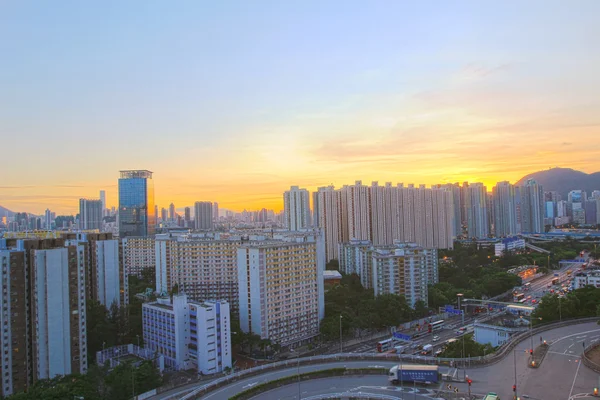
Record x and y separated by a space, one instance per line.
561 376
356 384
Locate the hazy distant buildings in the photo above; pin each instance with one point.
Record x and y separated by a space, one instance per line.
203 215
172 212
215 213
90 214
103 200
136 203
48 220
296 209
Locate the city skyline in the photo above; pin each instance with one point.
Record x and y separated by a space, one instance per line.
250 101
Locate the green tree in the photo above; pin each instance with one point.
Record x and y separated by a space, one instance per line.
332 265
421 309
469 348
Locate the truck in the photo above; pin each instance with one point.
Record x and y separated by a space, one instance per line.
556 274
424 374
400 349
428 348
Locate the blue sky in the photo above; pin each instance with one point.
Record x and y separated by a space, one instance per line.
234 102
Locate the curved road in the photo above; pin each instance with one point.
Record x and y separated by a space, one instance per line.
561 375
371 384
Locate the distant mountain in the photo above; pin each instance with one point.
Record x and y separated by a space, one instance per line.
5 212
563 180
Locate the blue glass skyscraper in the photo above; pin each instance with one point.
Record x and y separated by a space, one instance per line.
136 203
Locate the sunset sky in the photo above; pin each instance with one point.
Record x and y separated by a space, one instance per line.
236 101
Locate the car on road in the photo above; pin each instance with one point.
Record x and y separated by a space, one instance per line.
436 338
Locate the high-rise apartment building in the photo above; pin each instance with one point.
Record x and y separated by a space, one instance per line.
331 220
532 207
475 200
201 267
296 209
356 205
164 216
103 200
281 294
138 254
172 212
48 220
356 258
136 203
420 215
187 215
404 269
189 334
14 316
505 214
203 215
215 213
90 214
58 312
106 279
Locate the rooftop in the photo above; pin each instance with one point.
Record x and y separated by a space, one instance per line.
332 275
136 173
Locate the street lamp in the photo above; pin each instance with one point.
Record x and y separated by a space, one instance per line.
515 365
138 340
341 345
298 373
459 295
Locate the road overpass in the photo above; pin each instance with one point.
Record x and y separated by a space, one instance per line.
559 377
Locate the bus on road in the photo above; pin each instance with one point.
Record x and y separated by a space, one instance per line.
519 297
555 281
385 345
491 396
436 326
527 286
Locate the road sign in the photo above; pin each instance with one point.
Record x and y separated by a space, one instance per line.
455 390
401 336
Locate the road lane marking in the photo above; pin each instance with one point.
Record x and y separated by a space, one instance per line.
561 354
574 379
575 334
249 385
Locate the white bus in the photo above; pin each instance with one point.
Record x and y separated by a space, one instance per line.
437 325
385 345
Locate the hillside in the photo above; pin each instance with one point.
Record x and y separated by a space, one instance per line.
563 180
5 212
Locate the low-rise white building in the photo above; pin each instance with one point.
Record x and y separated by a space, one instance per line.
582 279
189 334
499 330
509 244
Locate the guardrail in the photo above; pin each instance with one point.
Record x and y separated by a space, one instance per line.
472 361
353 395
587 361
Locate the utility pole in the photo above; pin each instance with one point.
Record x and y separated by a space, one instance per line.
341 345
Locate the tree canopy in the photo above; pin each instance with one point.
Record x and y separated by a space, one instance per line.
360 310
